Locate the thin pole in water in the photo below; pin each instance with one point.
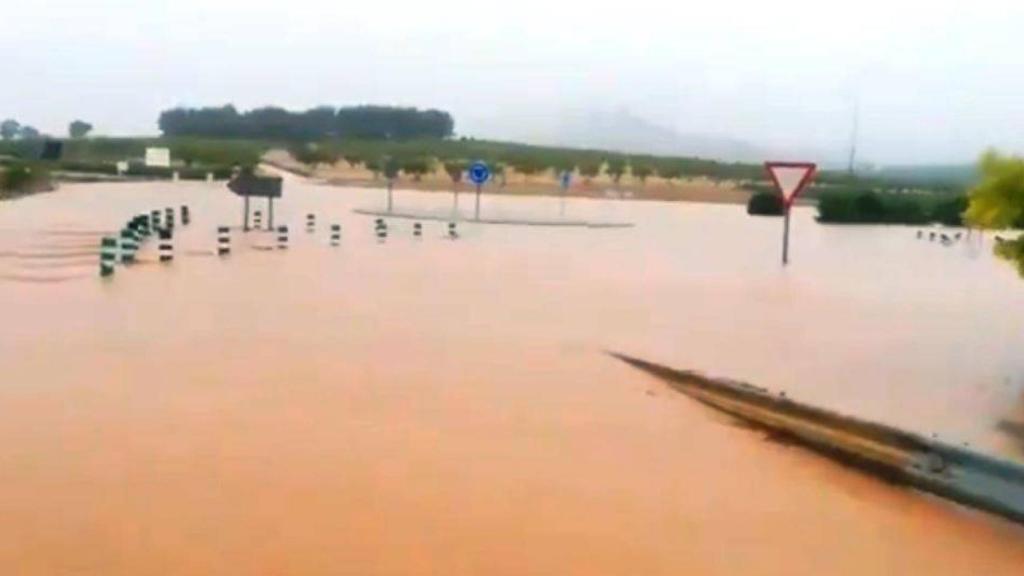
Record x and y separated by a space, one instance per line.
477 211
785 237
390 186
245 219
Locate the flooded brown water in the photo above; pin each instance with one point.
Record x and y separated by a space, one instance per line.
445 407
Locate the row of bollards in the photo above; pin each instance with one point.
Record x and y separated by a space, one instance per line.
946 239
161 223
127 242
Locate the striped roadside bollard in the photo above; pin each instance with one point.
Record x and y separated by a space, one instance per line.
128 246
335 234
452 232
108 255
282 237
155 217
142 226
166 246
169 218
257 219
186 216
382 229
310 222
417 229
223 240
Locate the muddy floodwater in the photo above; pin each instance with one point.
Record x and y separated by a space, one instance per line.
437 407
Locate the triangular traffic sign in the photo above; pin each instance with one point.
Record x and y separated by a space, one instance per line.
790 178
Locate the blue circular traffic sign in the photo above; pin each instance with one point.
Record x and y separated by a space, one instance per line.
479 172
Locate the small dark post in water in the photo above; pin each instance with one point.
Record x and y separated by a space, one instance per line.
186 217
920 234
310 222
417 229
223 240
282 237
270 213
335 234
166 246
108 254
452 232
245 220
391 185
257 219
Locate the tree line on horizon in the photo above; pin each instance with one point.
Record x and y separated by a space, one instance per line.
323 122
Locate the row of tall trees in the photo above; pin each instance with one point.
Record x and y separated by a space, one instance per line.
272 123
525 159
11 129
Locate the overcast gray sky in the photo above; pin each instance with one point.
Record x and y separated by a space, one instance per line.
937 81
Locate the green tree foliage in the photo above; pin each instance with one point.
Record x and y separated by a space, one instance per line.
29 133
314 154
79 129
360 122
354 160
528 164
765 204
616 167
23 178
670 170
641 170
998 201
417 167
202 152
455 168
590 168
391 167
9 129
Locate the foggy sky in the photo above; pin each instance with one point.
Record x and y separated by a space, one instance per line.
936 81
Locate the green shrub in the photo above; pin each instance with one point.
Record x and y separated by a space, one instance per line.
765 204
870 207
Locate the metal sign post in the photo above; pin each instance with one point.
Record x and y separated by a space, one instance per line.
790 179
479 173
565 180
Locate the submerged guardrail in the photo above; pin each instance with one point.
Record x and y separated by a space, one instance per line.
963 476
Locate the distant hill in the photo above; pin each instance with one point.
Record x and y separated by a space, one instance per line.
620 131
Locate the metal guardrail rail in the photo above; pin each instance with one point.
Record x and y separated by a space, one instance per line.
963 476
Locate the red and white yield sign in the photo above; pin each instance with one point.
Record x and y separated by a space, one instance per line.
790 178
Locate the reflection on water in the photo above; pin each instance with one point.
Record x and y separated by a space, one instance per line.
424 406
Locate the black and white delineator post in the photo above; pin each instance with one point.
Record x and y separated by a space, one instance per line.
223 240
335 234
165 247
282 237
310 222
790 179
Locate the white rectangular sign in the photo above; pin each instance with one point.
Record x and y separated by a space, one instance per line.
159 157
